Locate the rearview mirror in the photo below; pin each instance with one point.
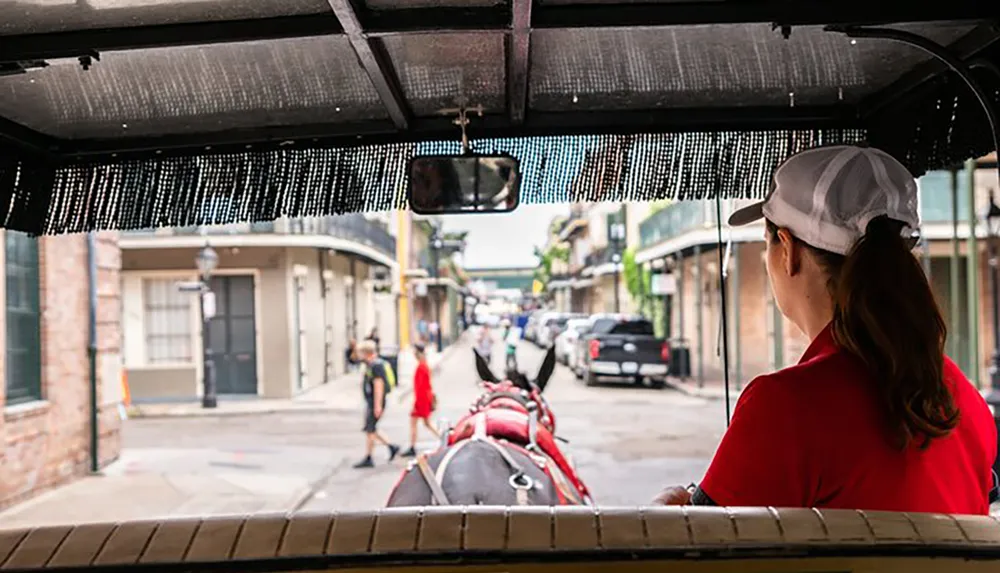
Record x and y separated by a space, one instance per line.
464 184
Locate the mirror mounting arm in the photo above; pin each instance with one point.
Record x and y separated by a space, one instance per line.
462 121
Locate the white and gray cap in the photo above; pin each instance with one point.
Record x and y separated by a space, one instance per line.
826 196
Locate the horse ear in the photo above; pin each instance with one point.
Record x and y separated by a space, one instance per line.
485 374
548 367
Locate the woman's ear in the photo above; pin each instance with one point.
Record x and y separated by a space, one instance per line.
791 255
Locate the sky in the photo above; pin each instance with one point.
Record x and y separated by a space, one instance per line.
505 239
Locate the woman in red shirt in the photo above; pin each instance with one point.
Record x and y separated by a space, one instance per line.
874 416
423 400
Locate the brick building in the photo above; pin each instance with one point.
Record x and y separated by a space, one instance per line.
45 427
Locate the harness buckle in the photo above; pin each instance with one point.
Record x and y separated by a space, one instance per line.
521 481
532 426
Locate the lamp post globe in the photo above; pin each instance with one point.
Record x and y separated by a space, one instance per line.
207 261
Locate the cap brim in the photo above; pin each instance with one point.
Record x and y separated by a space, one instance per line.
747 214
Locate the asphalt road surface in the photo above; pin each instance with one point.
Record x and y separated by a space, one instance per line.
627 443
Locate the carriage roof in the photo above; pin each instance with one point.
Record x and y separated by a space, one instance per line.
172 84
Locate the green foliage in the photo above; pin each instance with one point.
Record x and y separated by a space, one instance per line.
546 258
638 280
556 225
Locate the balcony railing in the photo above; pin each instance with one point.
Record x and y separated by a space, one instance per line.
352 227
598 257
681 217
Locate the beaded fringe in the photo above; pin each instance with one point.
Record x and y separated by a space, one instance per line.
263 186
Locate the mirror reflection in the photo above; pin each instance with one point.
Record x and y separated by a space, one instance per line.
464 184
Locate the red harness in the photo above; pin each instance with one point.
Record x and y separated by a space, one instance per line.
504 412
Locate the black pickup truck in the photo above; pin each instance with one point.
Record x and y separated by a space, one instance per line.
623 348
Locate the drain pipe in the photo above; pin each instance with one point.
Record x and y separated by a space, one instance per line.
95 462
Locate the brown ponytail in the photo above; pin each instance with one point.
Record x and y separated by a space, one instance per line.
886 315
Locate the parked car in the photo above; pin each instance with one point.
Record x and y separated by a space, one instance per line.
580 345
566 340
539 334
624 348
531 327
551 327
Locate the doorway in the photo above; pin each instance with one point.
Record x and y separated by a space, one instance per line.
233 335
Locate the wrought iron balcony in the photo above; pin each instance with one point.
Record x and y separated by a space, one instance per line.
352 227
681 217
599 256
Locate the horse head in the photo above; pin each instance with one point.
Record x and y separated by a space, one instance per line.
518 378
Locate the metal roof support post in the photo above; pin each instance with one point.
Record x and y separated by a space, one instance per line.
972 280
737 350
680 295
699 305
375 62
518 49
955 308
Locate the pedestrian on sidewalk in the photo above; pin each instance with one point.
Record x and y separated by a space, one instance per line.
422 331
435 331
352 355
511 339
377 381
373 336
424 401
484 344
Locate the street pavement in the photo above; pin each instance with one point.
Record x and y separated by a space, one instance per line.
627 443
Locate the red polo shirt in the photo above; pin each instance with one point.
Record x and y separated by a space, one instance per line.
813 435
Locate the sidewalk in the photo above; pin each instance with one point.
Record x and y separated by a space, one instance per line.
341 393
710 390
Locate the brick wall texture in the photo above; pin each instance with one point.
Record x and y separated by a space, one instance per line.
47 443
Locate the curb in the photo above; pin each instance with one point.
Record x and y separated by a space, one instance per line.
696 392
230 413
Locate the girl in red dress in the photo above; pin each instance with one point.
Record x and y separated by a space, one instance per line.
423 400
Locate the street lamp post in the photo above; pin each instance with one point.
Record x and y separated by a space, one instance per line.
617 236
436 245
207 261
993 228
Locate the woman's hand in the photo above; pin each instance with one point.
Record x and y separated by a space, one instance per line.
674 495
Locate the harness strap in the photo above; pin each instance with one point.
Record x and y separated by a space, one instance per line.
532 428
568 493
519 481
446 461
437 493
518 470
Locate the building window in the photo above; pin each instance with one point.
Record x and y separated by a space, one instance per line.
167 322
24 345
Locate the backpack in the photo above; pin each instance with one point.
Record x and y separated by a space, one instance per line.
390 376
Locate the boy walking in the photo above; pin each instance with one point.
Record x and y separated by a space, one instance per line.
376 383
